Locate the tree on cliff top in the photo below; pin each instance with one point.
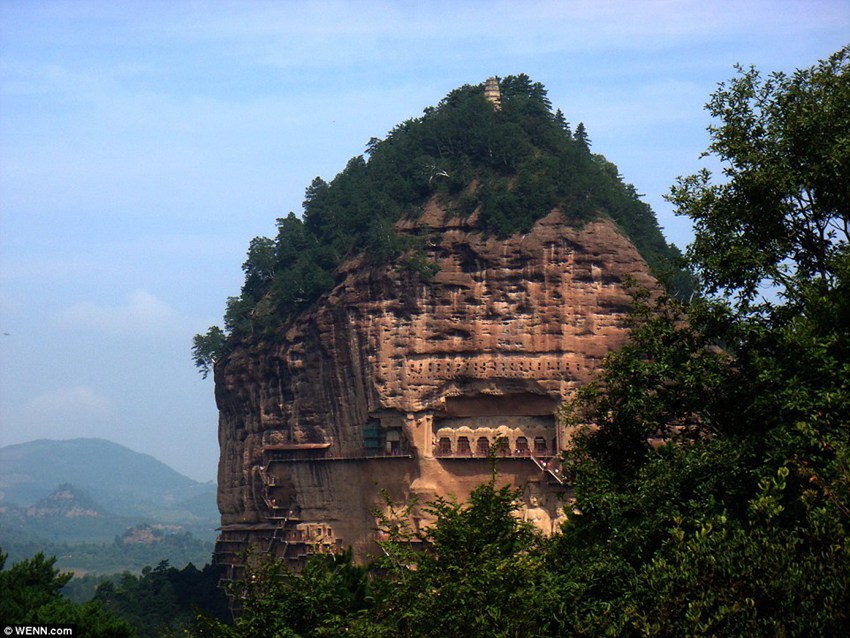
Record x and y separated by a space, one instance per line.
522 158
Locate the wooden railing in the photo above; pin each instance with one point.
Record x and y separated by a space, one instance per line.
476 454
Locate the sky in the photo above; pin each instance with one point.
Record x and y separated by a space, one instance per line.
143 144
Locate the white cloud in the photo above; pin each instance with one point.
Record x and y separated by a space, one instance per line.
140 312
65 410
317 33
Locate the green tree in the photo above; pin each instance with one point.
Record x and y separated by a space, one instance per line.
328 598
762 573
737 521
781 215
30 594
164 600
259 267
209 348
474 572
581 137
293 239
669 380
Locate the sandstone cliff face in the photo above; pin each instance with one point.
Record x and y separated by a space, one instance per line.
397 383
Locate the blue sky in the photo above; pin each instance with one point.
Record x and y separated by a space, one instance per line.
143 144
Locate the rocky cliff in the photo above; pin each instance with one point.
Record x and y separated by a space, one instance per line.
394 382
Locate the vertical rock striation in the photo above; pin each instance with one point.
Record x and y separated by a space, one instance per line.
392 382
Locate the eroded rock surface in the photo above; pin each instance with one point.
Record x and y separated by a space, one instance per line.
393 382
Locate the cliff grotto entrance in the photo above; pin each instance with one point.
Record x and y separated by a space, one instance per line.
520 423
521 446
383 436
444 447
540 448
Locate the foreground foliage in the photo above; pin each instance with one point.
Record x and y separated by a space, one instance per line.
117 557
161 601
468 575
713 490
740 523
164 600
30 594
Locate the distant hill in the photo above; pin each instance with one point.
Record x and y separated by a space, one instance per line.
30 471
66 501
68 514
86 539
107 487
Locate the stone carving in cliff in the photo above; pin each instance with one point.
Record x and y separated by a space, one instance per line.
392 382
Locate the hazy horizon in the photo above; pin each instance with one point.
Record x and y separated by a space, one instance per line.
89 439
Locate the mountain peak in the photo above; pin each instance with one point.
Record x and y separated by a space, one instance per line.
65 501
103 487
506 167
436 299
